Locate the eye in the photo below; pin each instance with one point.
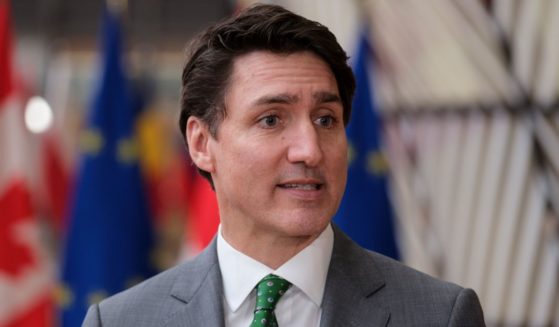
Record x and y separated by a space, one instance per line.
269 121
326 121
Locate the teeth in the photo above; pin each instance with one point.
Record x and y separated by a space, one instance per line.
302 186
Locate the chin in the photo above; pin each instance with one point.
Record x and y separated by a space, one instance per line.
306 225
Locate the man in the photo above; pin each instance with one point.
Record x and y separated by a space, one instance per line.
266 96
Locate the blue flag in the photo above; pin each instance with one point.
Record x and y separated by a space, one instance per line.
365 213
109 234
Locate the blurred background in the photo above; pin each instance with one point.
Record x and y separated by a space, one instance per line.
454 147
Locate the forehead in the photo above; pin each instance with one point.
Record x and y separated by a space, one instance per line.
261 73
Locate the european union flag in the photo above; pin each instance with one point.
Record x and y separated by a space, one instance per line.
110 235
365 213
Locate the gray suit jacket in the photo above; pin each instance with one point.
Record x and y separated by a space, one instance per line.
363 288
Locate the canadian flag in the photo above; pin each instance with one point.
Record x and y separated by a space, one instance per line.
203 212
26 273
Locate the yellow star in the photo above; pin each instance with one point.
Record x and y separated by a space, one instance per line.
91 141
376 163
63 295
350 153
96 297
127 150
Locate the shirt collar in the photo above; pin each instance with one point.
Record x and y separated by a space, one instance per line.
307 270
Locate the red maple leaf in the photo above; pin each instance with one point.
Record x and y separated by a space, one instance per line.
15 210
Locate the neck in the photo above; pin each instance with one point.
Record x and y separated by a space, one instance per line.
271 250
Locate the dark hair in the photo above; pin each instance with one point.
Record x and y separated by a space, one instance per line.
262 27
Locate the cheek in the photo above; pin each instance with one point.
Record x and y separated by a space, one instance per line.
246 163
337 151
337 163
340 172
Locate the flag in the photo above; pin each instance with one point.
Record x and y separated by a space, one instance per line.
182 201
26 271
365 213
203 212
110 235
57 148
56 180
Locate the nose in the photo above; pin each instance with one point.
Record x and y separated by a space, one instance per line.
304 146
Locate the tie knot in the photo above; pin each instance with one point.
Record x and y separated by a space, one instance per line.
269 290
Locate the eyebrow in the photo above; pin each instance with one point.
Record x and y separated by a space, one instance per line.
326 97
285 98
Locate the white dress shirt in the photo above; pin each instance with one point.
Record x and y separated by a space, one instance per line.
306 271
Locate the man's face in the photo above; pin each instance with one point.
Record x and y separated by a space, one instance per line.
279 160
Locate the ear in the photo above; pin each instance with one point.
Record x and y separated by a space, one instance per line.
198 137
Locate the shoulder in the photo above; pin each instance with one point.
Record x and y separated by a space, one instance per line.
139 305
156 299
413 296
402 279
410 296
357 261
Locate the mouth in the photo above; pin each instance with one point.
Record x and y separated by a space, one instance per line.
302 186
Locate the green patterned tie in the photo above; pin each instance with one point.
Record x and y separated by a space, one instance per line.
268 292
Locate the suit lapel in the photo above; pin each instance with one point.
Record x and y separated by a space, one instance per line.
198 292
350 297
